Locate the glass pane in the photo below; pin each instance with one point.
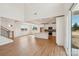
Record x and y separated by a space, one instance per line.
75 31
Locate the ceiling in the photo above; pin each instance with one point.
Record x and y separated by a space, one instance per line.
76 10
42 12
76 7
32 12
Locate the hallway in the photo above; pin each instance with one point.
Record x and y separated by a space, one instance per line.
28 46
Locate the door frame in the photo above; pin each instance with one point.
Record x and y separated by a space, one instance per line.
70 28
73 6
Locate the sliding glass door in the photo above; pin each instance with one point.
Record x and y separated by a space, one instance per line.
75 31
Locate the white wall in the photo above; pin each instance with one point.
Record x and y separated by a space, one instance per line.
18 31
29 26
68 33
60 31
63 32
18 25
67 41
12 10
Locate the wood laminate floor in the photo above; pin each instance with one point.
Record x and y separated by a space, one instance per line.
25 46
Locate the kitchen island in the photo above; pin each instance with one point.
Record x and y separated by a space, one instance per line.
44 35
